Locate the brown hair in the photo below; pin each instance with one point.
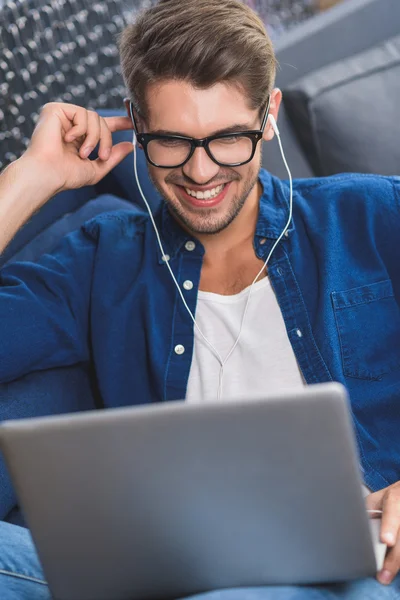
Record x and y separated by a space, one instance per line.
200 41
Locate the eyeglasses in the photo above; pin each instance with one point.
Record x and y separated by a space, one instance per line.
225 149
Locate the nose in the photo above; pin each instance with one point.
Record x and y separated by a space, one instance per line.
200 168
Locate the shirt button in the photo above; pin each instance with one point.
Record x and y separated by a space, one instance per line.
299 333
188 285
179 349
190 245
166 257
279 271
286 233
262 241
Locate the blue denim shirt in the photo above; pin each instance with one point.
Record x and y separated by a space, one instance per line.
106 296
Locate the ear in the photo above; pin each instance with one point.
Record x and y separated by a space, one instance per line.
276 98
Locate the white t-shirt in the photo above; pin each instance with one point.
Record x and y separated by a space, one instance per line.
262 363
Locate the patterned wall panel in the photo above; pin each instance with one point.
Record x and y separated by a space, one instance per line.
57 50
280 15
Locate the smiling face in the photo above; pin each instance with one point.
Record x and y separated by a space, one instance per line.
205 197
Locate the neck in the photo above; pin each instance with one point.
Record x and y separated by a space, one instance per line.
239 232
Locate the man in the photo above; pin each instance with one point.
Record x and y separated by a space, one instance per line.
326 307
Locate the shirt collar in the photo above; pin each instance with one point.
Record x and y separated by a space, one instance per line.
173 236
274 207
272 218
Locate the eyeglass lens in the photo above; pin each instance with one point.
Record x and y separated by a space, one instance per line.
228 150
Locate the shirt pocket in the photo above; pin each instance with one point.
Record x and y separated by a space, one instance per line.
368 323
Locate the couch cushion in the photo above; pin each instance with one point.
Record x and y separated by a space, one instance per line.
346 115
272 158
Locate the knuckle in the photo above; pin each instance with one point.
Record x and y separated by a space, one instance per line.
93 118
48 106
81 112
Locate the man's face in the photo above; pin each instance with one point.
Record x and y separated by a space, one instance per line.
202 195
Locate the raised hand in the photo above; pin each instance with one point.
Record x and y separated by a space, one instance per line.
64 137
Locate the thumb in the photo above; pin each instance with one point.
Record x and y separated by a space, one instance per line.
118 153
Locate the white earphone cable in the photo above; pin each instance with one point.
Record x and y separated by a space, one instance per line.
166 259
273 247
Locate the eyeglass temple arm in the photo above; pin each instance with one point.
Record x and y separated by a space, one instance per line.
264 121
133 117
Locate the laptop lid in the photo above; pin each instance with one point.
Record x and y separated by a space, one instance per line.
173 499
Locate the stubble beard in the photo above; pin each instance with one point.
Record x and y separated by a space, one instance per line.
204 220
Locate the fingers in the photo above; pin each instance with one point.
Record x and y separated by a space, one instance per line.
118 153
374 501
82 130
97 131
118 123
93 134
94 129
78 116
391 565
388 500
106 142
391 515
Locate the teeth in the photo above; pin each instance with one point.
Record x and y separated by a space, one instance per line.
207 194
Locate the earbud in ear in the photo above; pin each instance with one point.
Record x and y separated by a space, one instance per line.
274 124
134 140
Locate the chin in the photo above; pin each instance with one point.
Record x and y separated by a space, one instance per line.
208 223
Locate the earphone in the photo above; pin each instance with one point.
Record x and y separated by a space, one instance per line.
274 124
166 258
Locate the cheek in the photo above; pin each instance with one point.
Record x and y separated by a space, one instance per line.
248 171
157 176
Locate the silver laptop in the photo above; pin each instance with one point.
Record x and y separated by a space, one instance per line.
164 501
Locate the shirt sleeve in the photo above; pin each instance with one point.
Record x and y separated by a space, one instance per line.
44 309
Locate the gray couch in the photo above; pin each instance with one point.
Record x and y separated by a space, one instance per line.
340 77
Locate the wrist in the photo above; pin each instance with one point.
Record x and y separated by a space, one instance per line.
35 177
24 189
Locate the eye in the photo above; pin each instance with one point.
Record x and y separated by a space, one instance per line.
172 143
228 140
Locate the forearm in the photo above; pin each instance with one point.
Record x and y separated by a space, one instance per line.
24 188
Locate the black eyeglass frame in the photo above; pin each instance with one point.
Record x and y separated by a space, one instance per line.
254 135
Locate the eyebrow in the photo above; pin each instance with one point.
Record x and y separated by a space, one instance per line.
232 129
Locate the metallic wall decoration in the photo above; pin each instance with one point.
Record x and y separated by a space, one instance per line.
57 51
280 15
